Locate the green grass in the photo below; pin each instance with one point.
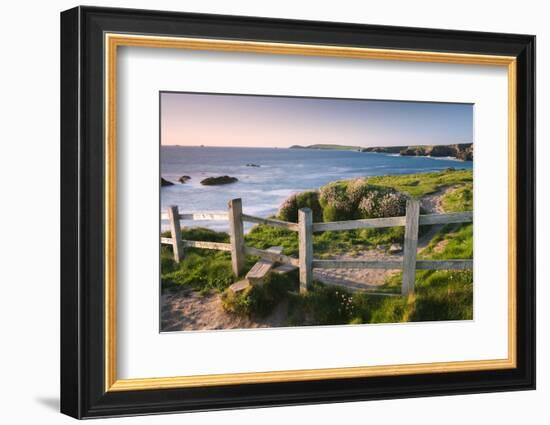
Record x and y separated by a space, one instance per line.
324 243
201 269
460 199
452 242
264 236
418 185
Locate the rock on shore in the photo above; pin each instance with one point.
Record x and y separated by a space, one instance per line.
164 182
213 181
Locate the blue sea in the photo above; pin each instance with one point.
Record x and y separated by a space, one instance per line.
281 172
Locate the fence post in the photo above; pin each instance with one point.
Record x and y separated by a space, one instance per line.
409 246
305 248
236 235
175 231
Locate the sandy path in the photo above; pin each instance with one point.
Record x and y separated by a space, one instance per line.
188 310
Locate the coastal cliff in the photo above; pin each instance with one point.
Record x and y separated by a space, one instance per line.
462 151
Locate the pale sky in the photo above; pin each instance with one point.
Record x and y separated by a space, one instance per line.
192 119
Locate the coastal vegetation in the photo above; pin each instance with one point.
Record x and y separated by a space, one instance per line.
419 185
439 295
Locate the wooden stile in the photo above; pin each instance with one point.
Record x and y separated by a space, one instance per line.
305 248
236 235
259 271
175 231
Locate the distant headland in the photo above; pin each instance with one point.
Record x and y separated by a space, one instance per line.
461 151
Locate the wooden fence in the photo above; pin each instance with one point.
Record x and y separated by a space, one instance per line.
306 228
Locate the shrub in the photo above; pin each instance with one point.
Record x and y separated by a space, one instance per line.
322 305
310 200
335 202
357 189
260 300
288 211
237 303
359 199
382 203
204 234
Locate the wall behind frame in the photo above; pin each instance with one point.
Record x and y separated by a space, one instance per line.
29 176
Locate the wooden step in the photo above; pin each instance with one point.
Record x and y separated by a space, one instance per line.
260 270
239 286
284 269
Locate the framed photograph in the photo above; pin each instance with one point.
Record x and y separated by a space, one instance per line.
261 212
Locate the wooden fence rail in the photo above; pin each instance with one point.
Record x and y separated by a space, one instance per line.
305 228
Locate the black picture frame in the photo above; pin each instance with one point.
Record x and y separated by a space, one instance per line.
83 392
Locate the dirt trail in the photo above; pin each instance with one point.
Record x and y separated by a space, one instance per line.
187 310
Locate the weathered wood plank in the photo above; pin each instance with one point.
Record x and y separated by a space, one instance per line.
393 265
409 246
305 248
239 286
278 258
166 241
357 264
460 217
445 264
271 222
207 245
175 231
284 269
260 270
425 219
359 224
205 216
236 235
